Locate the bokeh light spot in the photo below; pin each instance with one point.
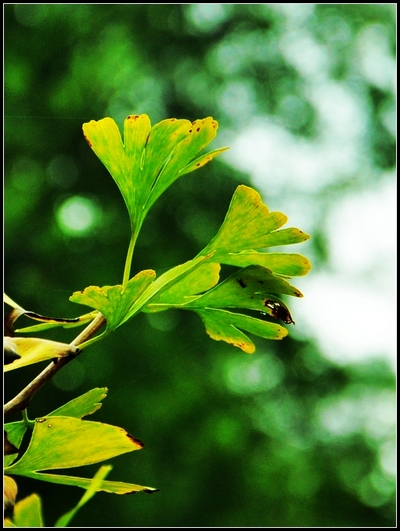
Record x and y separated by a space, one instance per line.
78 216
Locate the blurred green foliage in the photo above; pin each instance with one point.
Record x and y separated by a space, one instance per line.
283 438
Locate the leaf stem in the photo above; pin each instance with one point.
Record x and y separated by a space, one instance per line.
22 399
128 261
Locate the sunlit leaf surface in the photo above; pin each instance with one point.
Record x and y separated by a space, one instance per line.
222 325
249 225
66 442
33 350
114 302
28 512
83 405
149 159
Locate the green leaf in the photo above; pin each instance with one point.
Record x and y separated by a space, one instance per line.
15 432
253 287
222 325
28 512
201 279
285 237
118 304
83 405
47 322
114 302
166 281
286 264
67 442
33 350
247 288
250 225
94 486
112 487
151 158
46 325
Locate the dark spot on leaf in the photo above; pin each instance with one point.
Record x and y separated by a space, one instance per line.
279 311
39 317
40 420
88 141
198 129
241 282
190 130
136 441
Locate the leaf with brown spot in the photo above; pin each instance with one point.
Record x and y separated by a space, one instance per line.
222 325
67 442
150 158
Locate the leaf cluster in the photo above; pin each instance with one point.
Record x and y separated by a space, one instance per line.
144 164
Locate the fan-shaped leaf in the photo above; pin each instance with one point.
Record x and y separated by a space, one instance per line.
222 325
83 405
67 442
151 158
249 225
33 350
114 302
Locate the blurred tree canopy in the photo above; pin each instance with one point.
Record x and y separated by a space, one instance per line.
230 440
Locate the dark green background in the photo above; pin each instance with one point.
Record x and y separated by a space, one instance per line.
230 440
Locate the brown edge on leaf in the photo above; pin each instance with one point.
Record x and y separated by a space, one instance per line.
136 441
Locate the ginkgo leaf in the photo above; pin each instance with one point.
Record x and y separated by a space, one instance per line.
67 442
14 432
285 237
114 302
47 322
27 513
253 287
149 159
200 280
247 288
33 350
223 325
249 225
118 304
166 281
8 300
112 487
285 264
83 405
93 487
60 442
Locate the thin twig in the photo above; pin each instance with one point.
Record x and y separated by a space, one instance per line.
22 399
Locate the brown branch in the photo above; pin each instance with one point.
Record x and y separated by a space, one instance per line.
22 399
